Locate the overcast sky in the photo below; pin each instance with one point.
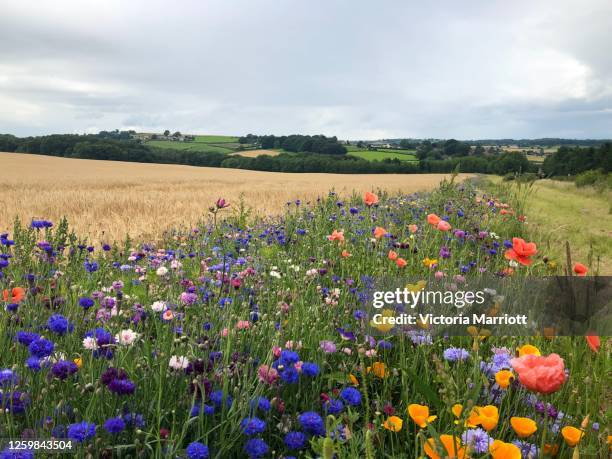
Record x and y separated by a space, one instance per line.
357 69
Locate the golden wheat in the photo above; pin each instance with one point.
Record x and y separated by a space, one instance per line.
107 200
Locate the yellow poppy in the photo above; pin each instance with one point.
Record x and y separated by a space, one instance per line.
384 326
528 349
393 423
504 378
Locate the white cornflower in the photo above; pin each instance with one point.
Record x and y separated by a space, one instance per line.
158 306
162 271
90 343
178 362
126 337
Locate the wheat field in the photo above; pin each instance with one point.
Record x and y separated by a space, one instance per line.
107 200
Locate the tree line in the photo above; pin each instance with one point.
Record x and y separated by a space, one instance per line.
575 160
297 143
104 147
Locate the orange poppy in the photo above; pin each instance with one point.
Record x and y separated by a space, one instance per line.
413 228
393 423
451 448
503 450
572 435
551 450
580 269
488 417
336 236
521 251
420 414
345 254
594 342
379 232
401 262
379 369
15 295
457 409
524 427
370 199
392 255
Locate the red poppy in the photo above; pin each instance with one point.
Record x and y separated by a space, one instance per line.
580 269
521 251
594 342
16 295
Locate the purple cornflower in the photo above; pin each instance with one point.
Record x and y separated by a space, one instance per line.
455 354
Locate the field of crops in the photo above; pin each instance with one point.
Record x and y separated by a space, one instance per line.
250 337
109 199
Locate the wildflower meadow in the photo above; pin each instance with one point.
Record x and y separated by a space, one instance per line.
251 338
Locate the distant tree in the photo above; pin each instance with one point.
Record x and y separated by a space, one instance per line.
479 150
166 132
176 134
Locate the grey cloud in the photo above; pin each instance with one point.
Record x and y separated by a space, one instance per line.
355 69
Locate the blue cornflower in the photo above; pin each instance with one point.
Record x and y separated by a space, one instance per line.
288 358
197 450
122 386
454 354
8 378
527 449
91 266
58 324
41 348
114 425
40 224
310 369
351 396
16 454
81 431
477 440
333 406
86 302
33 363
295 440
289 375
256 448
64 368
261 403
252 426
312 423
217 398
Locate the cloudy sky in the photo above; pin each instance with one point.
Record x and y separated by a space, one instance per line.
351 68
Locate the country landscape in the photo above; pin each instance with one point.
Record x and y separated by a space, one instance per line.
221 225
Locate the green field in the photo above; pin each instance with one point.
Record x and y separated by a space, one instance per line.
560 212
379 155
203 143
